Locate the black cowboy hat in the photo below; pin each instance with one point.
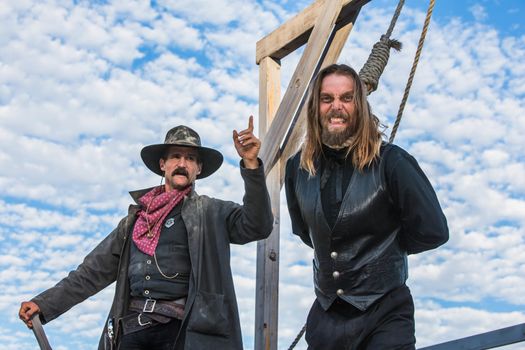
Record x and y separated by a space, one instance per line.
185 137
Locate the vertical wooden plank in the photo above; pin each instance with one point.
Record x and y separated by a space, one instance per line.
298 131
267 280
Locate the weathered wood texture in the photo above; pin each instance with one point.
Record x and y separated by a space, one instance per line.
267 280
295 32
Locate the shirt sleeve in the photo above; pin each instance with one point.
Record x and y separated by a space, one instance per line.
253 220
423 223
299 227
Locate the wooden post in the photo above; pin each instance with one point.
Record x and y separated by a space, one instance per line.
267 289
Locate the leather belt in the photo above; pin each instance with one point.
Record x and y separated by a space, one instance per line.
151 312
153 308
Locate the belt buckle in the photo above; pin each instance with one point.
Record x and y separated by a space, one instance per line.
140 322
149 305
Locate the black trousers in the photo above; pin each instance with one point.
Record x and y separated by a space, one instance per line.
158 337
387 324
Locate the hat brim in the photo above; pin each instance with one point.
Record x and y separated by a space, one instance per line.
211 159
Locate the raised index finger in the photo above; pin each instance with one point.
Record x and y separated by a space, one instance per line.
250 124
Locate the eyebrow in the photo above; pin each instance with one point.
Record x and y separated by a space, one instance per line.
186 153
349 92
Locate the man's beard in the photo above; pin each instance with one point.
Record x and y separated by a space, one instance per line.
336 139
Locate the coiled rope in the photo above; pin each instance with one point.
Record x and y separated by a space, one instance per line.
376 62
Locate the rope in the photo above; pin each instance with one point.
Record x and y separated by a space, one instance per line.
296 340
413 70
376 62
394 18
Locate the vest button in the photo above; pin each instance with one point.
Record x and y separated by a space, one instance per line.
333 255
336 274
147 278
146 292
148 262
340 292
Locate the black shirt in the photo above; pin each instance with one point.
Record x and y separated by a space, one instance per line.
409 189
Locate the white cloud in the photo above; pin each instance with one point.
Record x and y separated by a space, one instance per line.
169 30
479 12
76 107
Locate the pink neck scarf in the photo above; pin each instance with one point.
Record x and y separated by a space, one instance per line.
158 203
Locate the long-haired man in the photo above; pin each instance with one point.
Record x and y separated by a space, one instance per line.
363 205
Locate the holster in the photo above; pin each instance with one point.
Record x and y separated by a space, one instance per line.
109 336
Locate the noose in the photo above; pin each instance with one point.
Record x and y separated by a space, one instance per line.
376 62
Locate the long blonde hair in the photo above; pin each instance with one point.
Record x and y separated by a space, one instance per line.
367 138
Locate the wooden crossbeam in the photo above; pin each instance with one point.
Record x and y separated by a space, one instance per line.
295 32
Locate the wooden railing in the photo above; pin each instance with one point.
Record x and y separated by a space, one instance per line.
488 340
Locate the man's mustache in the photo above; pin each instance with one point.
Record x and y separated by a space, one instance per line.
338 114
180 171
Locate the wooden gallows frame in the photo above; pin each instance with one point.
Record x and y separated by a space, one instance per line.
324 27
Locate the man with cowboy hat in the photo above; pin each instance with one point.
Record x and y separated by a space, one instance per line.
170 256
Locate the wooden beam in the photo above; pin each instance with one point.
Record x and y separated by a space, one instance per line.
295 32
267 279
488 340
297 131
313 55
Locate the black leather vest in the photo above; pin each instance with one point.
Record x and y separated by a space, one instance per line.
360 259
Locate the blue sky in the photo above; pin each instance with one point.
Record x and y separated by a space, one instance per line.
85 85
